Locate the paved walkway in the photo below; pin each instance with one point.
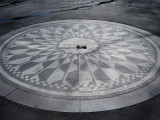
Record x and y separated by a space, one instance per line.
93 10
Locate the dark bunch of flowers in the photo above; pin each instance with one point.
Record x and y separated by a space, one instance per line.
81 47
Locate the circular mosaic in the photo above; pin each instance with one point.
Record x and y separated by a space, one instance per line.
45 58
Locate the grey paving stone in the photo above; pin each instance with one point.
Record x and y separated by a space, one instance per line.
54 104
45 103
24 98
5 88
154 87
116 102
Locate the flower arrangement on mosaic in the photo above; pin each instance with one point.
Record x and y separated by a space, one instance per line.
81 47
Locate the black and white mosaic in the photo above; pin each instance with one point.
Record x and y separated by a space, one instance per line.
45 58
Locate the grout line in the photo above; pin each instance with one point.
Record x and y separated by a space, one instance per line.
80 105
10 92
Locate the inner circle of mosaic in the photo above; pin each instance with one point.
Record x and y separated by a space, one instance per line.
46 57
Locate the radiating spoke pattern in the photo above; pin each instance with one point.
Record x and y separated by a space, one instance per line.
46 57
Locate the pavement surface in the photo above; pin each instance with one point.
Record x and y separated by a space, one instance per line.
141 14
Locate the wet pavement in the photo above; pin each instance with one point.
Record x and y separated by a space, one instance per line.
138 13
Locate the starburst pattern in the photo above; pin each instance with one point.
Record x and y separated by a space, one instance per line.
117 57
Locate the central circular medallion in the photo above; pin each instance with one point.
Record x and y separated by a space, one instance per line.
69 45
